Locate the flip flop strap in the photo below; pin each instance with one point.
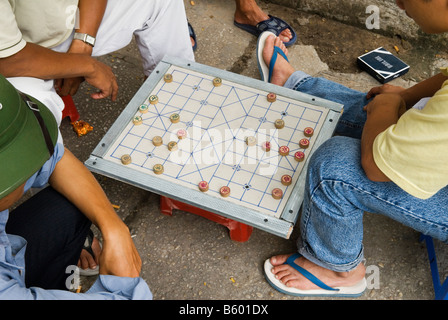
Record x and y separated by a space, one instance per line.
307 274
273 24
276 52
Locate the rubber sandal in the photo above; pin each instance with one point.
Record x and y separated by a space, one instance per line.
88 247
193 35
324 291
265 70
273 24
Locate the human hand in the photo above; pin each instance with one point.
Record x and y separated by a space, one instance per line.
386 101
104 80
68 86
100 75
119 256
386 88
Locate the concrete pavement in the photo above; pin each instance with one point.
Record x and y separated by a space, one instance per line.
187 257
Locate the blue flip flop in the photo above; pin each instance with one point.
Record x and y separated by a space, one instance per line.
193 35
265 71
324 291
273 24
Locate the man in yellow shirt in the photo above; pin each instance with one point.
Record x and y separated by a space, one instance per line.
387 158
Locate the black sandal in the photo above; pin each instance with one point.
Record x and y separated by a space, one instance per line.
88 247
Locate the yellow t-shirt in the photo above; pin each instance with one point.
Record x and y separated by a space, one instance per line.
414 152
44 22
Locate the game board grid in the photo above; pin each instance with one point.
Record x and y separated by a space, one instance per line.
250 113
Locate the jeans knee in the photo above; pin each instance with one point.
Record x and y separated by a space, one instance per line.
336 159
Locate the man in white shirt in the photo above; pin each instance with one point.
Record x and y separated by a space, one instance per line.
48 44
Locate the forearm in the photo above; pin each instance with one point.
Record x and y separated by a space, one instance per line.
382 112
72 179
90 16
39 62
426 88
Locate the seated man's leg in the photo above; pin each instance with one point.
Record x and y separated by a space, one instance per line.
42 90
336 197
353 117
55 231
160 27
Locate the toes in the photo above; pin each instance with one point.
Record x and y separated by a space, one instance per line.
279 260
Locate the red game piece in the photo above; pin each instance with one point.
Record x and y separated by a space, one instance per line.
203 186
304 143
286 180
277 193
299 156
224 191
283 150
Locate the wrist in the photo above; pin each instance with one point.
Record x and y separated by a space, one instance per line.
113 227
78 46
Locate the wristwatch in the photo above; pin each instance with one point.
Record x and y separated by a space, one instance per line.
85 38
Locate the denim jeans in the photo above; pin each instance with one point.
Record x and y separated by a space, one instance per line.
338 192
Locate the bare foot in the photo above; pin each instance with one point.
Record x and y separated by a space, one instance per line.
293 279
86 260
253 15
282 69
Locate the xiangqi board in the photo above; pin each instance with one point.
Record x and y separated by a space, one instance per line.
220 141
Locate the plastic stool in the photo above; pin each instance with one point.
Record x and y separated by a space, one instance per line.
238 231
69 109
440 289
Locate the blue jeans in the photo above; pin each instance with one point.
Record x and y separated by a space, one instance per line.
338 192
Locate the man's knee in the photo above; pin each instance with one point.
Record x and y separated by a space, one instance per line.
336 158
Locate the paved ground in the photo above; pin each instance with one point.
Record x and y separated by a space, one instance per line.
188 257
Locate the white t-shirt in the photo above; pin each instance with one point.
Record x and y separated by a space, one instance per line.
47 23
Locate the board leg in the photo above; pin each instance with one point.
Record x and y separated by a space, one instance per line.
239 232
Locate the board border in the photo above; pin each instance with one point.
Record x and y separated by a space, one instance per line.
282 226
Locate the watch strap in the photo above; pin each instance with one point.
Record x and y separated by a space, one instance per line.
85 38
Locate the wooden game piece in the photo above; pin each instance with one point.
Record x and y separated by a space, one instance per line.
277 194
286 180
168 78
126 159
308 132
224 191
266 146
272 97
158 169
251 141
181 134
283 150
203 186
304 143
143 108
153 99
175 118
217 82
279 123
299 156
172 145
157 141
137 120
